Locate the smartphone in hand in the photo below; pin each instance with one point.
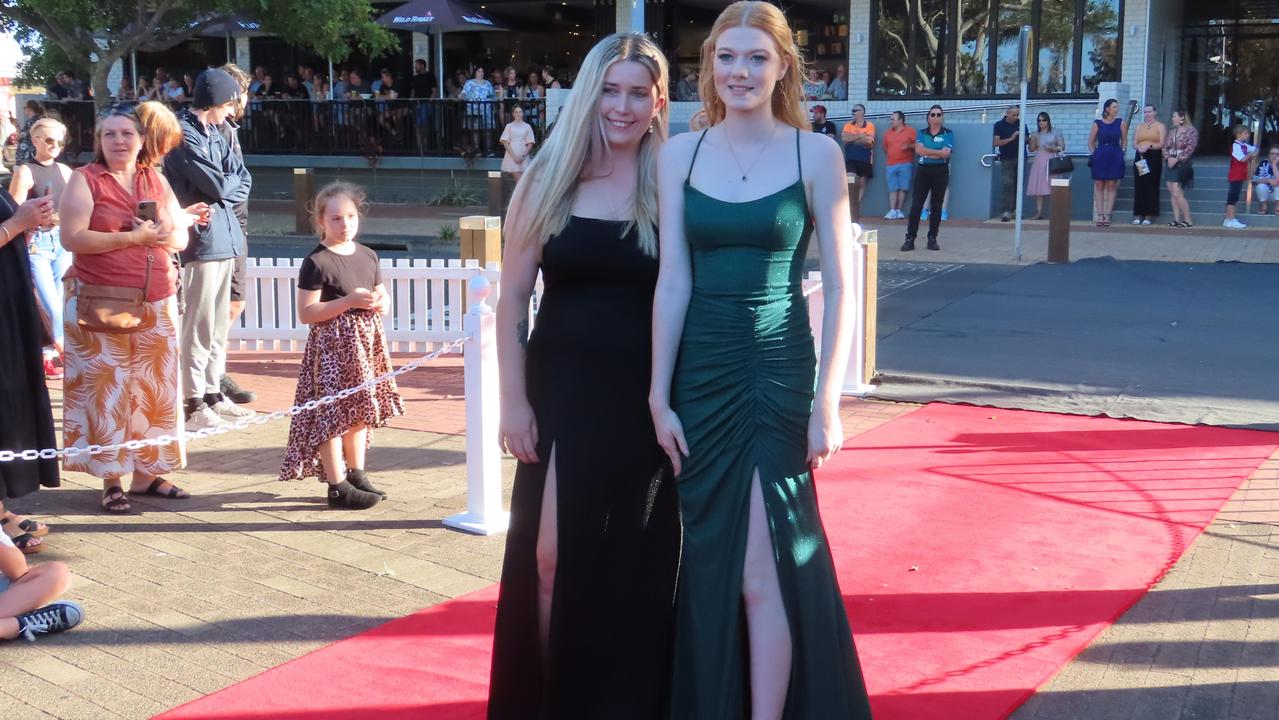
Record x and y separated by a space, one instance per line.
147 210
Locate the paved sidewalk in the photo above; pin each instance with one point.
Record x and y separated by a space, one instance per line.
188 597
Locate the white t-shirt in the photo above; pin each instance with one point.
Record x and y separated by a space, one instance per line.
6 540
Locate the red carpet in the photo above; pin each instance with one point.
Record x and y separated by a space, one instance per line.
978 549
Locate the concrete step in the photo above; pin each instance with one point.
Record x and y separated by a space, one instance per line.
1205 219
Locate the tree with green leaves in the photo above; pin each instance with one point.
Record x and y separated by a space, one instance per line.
92 35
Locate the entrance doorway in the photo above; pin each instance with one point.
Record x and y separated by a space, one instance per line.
1230 53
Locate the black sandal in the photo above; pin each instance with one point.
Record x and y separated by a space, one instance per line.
115 502
34 527
26 542
173 493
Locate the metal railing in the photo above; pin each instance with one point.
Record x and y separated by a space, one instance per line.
368 127
982 107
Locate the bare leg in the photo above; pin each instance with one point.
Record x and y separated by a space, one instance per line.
767 627
42 584
1112 192
1039 207
353 444
1172 197
548 543
1098 200
331 461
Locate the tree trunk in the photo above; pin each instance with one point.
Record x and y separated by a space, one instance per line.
102 68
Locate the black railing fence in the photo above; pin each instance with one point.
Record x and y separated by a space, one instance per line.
358 127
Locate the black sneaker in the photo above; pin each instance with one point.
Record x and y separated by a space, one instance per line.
345 496
908 245
58 616
932 244
233 392
361 482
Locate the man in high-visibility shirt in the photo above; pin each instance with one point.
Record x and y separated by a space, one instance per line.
859 149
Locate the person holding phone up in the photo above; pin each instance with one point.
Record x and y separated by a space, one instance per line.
121 315
204 169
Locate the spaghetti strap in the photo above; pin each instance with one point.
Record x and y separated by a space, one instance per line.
799 159
692 162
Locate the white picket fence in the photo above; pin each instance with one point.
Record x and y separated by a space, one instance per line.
428 300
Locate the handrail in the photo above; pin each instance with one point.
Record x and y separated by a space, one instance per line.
988 160
1002 105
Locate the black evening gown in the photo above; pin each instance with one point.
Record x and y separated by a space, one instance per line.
612 616
26 418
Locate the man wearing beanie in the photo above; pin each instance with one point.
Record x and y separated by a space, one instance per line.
203 169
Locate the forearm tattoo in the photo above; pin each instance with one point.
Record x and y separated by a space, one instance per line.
521 332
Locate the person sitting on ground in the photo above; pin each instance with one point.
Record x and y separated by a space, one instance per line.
1241 153
1265 181
342 298
29 603
823 126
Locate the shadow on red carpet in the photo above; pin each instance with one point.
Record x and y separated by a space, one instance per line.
979 550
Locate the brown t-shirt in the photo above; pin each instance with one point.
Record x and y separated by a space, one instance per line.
335 275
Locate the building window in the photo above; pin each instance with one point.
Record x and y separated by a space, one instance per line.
950 48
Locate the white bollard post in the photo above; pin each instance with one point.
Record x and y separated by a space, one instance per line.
484 514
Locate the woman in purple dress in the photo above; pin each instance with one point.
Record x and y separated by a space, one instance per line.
1106 142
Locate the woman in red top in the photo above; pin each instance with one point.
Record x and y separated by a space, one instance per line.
124 386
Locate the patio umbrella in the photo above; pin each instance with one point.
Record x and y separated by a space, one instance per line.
437 17
232 26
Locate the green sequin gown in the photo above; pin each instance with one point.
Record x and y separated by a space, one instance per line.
743 388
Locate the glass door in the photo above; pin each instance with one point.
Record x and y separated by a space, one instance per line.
1229 52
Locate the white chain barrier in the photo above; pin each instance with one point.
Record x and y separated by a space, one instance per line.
260 419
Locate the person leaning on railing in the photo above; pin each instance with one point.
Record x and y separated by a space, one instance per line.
121 311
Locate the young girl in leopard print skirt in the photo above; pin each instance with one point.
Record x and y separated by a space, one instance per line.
341 296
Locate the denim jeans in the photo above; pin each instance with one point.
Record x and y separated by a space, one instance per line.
49 262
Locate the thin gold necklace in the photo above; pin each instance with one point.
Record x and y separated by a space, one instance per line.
746 172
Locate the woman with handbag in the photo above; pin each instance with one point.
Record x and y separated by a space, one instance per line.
1048 145
1182 143
122 222
1148 166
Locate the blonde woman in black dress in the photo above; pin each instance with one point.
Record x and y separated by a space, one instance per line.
586 613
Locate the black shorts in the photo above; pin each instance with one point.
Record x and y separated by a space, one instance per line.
1236 189
860 168
237 279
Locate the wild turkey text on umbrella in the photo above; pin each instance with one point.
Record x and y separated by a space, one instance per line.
437 17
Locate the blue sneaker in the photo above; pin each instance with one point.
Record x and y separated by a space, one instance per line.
944 214
923 215
58 616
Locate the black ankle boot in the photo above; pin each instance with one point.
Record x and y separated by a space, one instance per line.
908 245
932 244
360 480
345 496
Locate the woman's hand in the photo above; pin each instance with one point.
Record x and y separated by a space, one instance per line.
517 430
670 435
149 233
381 303
825 434
32 214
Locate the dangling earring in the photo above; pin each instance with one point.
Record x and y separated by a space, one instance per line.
651 128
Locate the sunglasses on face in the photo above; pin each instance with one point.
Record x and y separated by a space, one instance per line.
934 114
55 142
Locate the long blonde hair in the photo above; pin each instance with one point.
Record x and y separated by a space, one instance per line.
579 143
788 94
